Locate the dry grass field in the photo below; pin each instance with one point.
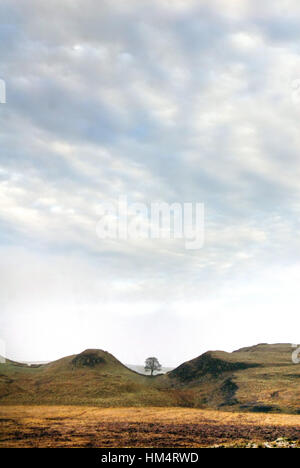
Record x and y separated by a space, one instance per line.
65 426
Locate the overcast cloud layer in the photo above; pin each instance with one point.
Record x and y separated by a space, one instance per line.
180 101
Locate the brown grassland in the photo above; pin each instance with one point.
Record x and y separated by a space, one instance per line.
77 426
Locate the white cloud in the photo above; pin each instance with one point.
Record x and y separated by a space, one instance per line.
176 101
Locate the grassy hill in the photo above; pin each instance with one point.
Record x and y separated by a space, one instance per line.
94 377
259 378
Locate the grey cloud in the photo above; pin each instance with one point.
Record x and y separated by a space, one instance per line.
177 103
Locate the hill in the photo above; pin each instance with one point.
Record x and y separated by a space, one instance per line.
261 378
93 377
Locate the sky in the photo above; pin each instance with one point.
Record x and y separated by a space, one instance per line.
170 100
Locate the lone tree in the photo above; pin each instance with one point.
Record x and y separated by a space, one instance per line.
152 364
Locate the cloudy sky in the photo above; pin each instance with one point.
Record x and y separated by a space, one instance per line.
171 100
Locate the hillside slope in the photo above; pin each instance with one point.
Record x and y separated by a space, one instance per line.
93 377
258 378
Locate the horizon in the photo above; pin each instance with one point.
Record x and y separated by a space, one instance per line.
140 364
191 106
